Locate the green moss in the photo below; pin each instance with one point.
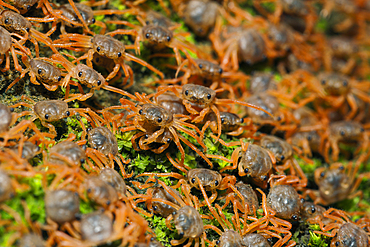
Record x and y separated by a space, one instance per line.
33 196
162 232
147 161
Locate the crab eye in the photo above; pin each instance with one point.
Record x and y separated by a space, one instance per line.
322 174
193 180
82 161
313 209
39 71
309 138
295 217
218 242
59 78
222 120
28 7
187 92
362 129
345 83
98 48
141 111
88 190
282 157
46 116
264 178
323 82
79 74
147 22
93 20
119 54
147 35
246 170
342 133
68 113
341 168
168 38
220 71
242 120
6 21
99 82
168 140
155 208
159 120
200 65
216 182
209 96
337 243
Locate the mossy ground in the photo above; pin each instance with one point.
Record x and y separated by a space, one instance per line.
146 161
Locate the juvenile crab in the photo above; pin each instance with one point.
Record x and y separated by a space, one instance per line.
100 192
244 197
231 123
49 75
159 125
340 49
16 132
170 102
343 132
233 46
200 15
159 207
52 110
87 76
19 6
7 190
17 24
339 89
261 82
252 160
62 205
280 228
8 44
158 32
270 106
28 150
295 8
187 220
306 137
77 14
344 231
114 179
209 179
285 201
203 97
100 227
104 149
283 153
107 46
337 183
